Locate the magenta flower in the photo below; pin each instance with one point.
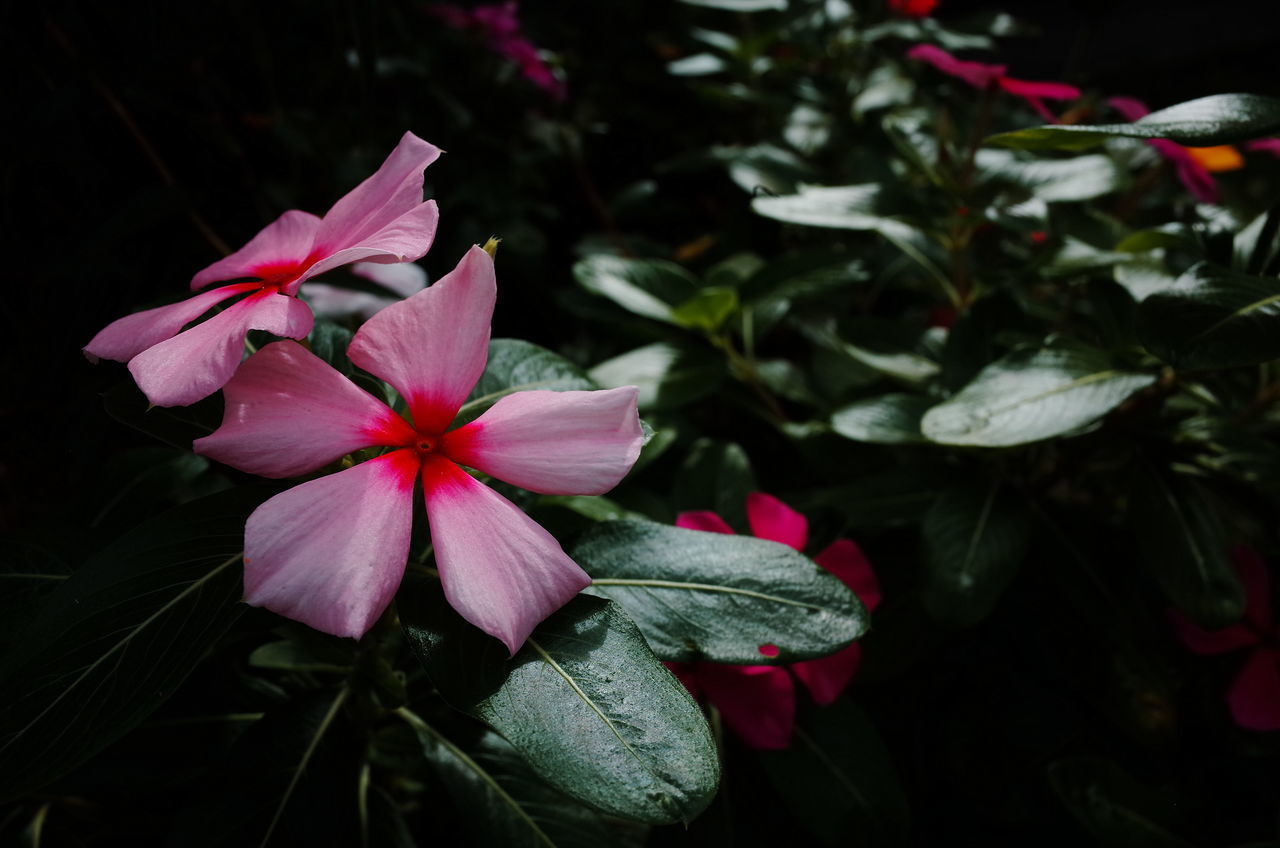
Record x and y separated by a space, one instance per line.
758 702
331 552
982 76
1254 695
498 25
384 219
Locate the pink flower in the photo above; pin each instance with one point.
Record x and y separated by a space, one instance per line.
983 76
758 702
1191 171
331 552
384 219
498 24
1254 695
912 8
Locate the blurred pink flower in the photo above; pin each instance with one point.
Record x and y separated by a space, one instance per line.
498 25
384 219
758 702
331 552
1254 695
1193 172
913 8
983 76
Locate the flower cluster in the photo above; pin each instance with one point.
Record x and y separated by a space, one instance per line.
331 552
758 702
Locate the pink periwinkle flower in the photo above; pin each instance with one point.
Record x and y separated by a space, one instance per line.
499 25
983 76
331 552
382 220
1254 695
758 702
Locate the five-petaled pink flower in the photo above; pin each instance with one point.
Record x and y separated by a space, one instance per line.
1254 695
758 702
384 219
331 552
983 76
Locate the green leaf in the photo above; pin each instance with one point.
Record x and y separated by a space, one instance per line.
1213 318
117 637
1114 808
1204 122
975 537
667 376
646 287
1184 546
886 420
710 596
585 702
708 309
741 5
1030 395
716 476
1054 180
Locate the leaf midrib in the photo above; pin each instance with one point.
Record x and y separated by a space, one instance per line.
702 587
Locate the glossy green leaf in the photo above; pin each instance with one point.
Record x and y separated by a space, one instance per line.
647 287
708 309
114 640
1206 121
886 420
710 596
1030 395
1054 180
1184 545
1112 807
585 702
667 376
1213 318
741 5
975 536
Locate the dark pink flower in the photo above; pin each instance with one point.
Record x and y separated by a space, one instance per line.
1254 695
1193 174
983 76
758 701
331 552
499 25
384 219
913 8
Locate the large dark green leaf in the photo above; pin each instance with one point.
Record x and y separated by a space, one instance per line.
886 420
1030 395
711 596
648 287
1184 545
1054 180
502 801
1113 807
585 702
118 636
1214 318
975 537
1217 119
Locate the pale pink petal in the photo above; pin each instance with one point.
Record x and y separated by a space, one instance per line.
555 443
1201 641
405 239
703 520
125 338
1130 108
771 519
975 74
501 571
331 552
403 278
846 560
1253 572
433 346
197 362
1264 145
1254 696
279 250
826 677
289 412
369 210
756 702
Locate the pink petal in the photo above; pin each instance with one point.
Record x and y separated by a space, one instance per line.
197 362
826 677
703 520
501 571
404 240
1264 145
1040 90
283 244
288 413
846 560
771 519
433 346
555 443
403 278
1253 572
331 552
125 338
1201 641
976 74
374 211
1198 181
1254 696
757 702
1130 108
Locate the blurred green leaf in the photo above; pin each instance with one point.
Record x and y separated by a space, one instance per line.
741 5
708 309
1054 180
1113 807
886 420
710 596
1030 395
667 376
645 287
716 476
585 702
